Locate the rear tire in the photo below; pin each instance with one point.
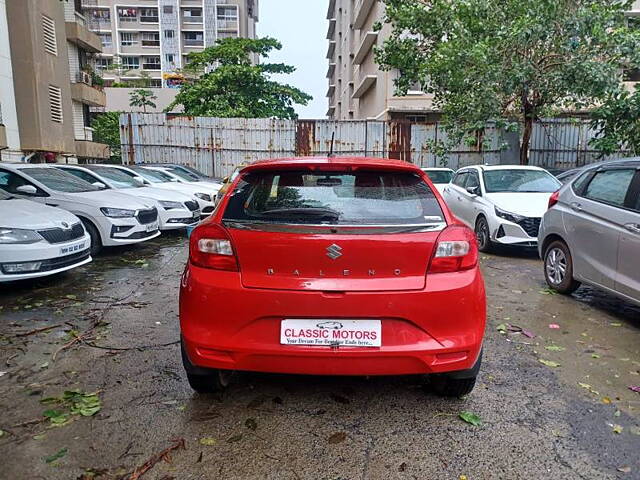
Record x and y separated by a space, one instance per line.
558 268
483 235
445 386
204 380
96 241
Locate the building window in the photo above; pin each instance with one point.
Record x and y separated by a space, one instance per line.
102 63
106 40
228 17
49 34
155 83
222 35
149 15
55 104
167 9
131 63
150 39
192 15
151 63
128 39
169 33
193 39
128 14
169 58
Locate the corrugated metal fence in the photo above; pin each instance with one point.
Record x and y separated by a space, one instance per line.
217 145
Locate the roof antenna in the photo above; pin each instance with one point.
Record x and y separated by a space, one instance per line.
333 136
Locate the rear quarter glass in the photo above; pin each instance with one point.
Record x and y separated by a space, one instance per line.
334 198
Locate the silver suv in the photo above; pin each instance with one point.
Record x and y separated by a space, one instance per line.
591 232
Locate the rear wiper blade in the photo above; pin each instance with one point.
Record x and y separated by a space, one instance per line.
311 211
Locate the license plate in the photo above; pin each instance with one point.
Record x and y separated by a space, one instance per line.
348 333
78 247
152 227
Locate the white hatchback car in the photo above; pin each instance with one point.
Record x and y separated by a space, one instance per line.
503 204
111 218
175 209
36 240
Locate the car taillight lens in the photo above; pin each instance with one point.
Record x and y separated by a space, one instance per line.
456 250
210 247
553 199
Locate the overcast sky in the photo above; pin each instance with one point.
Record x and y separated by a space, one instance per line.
301 27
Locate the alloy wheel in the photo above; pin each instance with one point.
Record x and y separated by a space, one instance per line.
556 266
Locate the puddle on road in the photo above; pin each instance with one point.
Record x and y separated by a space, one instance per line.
597 343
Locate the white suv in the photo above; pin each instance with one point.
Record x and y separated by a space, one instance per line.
36 240
503 204
175 210
110 218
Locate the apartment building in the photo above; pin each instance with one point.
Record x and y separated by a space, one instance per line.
47 103
358 89
153 37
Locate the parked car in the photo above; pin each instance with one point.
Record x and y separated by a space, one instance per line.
36 240
440 177
111 218
182 177
159 179
175 210
591 232
192 173
503 204
324 267
227 182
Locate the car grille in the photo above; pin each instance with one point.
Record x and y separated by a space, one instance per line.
147 216
192 205
60 235
531 226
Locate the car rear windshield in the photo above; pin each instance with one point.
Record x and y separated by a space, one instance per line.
59 181
334 198
439 176
520 180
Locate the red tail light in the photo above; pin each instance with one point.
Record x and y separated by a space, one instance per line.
456 250
553 199
210 247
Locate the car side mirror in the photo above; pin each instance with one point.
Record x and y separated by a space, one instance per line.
27 190
473 190
100 185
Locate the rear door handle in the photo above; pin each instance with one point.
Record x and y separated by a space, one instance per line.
576 206
633 227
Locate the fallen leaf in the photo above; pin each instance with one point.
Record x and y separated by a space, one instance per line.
555 348
59 454
595 355
471 418
588 387
548 291
634 388
2 433
624 469
207 441
606 400
616 413
235 438
39 436
554 326
251 424
618 429
502 328
549 363
337 437
462 477
615 324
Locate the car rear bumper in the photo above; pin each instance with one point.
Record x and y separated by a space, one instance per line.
435 330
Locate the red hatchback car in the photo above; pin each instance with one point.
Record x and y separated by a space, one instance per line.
333 266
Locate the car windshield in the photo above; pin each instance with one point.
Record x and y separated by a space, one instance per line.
520 180
152 176
117 177
184 174
439 176
58 180
336 198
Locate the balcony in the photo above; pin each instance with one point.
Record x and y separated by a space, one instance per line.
365 47
331 90
331 70
82 37
331 9
332 29
367 82
82 91
361 12
227 24
331 50
89 149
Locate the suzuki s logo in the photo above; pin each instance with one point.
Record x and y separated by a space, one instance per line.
334 251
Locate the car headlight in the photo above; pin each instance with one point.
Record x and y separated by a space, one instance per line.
512 217
203 196
117 212
18 235
171 205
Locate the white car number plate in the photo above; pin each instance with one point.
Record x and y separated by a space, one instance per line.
152 227
71 249
329 332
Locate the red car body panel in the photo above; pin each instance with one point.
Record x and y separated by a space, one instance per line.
431 322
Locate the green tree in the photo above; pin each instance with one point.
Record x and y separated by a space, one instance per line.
141 97
510 59
228 84
106 129
617 123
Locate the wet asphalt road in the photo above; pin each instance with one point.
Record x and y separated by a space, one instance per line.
538 422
